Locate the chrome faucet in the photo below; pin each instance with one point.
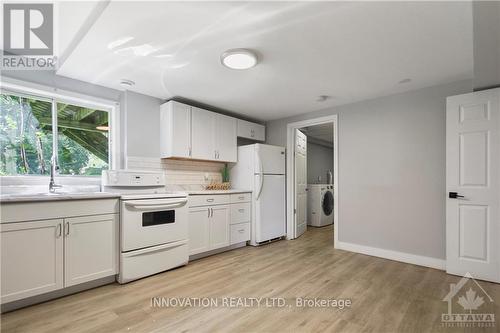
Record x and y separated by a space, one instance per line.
53 170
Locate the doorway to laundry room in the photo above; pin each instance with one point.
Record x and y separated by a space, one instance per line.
312 175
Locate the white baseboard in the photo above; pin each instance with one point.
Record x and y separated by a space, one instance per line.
393 255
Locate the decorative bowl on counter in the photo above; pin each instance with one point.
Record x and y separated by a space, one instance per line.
218 186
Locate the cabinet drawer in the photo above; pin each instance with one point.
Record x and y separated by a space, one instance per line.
208 200
241 197
240 213
240 233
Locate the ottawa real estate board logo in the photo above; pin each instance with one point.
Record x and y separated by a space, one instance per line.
28 36
469 305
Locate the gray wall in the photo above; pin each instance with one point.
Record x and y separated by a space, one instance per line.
141 124
391 169
486 44
319 161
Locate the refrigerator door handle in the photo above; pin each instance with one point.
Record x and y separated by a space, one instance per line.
261 186
261 175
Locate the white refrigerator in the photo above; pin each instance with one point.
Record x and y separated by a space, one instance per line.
261 168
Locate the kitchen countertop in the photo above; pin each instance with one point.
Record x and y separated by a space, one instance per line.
62 196
202 192
58 196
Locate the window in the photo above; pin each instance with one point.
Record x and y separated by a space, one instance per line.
27 137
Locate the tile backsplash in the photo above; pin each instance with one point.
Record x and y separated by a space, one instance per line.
180 174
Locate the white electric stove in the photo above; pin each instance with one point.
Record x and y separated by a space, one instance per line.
153 223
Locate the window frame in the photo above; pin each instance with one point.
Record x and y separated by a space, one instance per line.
54 95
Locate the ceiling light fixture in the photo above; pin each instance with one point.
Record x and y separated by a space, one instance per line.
126 83
322 98
404 81
239 59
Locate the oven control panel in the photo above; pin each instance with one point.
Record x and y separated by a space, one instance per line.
132 178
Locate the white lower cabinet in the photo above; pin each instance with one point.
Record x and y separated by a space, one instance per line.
199 230
90 249
219 227
240 232
208 228
47 255
32 258
217 221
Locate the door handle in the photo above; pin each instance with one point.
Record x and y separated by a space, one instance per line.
455 195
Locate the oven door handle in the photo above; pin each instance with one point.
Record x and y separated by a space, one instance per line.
155 204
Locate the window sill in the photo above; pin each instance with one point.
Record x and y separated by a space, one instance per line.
40 184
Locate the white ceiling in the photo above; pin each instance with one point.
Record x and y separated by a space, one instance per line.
322 132
351 51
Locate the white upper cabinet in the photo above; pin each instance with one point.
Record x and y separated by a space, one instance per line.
190 132
225 139
251 131
175 133
203 134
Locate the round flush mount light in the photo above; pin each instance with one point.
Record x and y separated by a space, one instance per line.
323 98
239 59
126 83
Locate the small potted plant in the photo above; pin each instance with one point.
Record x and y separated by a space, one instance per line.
226 184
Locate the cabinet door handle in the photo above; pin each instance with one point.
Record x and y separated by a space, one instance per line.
241 198
67 228
241 231
210 200
241 210
211 209
59 230
208 210
189 152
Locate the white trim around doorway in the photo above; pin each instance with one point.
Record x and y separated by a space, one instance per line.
290 228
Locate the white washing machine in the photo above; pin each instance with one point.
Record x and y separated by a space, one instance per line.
320 204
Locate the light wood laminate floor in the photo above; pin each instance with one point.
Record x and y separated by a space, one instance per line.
387 296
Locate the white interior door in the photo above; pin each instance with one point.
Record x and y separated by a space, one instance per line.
300 183
472 181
